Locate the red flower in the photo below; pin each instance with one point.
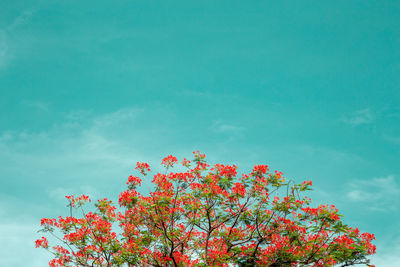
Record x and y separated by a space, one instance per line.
134 180
169 161
142 167
260 169
42 243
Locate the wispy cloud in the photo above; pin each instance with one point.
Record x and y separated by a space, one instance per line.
36 104
19 237
194 93
5 51
230 131
21 19
392 139
80 150
388 250
387 259
220 126
380 193
121 116
363 116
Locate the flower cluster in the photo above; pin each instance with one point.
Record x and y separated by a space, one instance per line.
142 167
260 169
225 170
42 243
169 161
134 180
77 201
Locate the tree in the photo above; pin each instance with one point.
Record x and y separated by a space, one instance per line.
206 216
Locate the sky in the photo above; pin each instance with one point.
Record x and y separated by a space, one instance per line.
89 88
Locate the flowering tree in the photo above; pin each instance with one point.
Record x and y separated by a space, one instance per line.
206 216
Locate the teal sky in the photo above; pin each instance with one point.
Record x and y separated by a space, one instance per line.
88 88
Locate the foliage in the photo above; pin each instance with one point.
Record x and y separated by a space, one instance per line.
206 216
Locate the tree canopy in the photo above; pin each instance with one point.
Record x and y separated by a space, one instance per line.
202 215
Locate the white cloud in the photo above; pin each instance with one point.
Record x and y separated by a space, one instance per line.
194 93
229 131
82 151
89 140
387 259
363 116
388 251
21 19
324 160
4 51
358 195
92 156
380 193
36 104
125 115
18 245
392 139
227 128
222 127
